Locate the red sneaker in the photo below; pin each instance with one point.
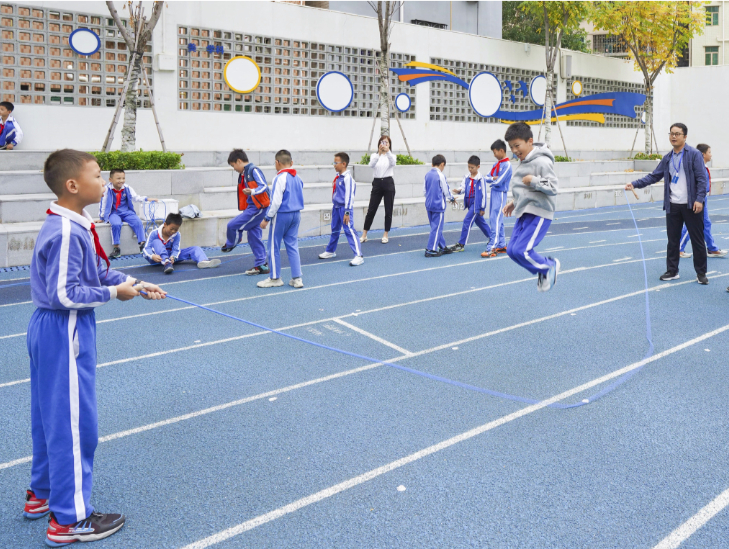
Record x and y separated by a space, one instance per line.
35 508
93 528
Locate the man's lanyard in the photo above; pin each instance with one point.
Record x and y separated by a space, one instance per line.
674 180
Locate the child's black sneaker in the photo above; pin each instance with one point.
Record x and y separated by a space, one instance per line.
142 244
35 508
701 279
227 249
116 252
93 528
169 269
445 251
457 248
432 253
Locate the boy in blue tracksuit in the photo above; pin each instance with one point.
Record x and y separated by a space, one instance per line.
499 177
253 200
473 189
284 215
343 191
69 277
437 191
163 247
534 191
10 133
117 207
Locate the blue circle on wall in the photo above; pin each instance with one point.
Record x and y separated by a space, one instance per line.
334 91
403 102
84 41
485 94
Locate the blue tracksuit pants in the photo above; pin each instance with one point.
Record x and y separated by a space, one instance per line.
528 232
62 350
193 253
436 239
472 216
285 226
708 239
248 220
117 217
498 200
337 225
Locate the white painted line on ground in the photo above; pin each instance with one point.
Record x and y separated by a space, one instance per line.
597 241
379 471
622 259
635 235
606 224
14 304
688 528
372 336
579 228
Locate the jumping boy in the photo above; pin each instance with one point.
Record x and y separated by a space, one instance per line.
253 200
499 178
163 247
534 191
474 190
69 277
437 191
10 133
343 191
117 207
284 215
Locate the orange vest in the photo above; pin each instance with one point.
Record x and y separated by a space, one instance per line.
260 200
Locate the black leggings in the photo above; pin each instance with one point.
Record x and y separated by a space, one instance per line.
381 187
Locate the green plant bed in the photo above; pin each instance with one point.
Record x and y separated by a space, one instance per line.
563 159
644 156
402 160
139 160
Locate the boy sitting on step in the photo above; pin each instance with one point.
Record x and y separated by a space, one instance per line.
163 247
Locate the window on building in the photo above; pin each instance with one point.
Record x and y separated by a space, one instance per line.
428 24
712 16
712 55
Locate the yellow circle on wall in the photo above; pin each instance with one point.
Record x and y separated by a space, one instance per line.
576 87
242 74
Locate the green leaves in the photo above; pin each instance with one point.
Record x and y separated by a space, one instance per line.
405 160
645 156
138 160
521 22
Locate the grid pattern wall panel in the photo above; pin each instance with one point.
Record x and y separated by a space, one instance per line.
290 70
39 67
450 101
591 86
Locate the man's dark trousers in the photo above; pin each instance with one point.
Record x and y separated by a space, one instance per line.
679 215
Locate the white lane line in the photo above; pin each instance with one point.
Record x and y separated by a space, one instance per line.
379 471
687 529
622 259
330 319
597 241
14 304
606 224
372 336
578 228
636 235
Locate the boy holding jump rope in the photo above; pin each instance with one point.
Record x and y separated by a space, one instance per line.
534 190
69 277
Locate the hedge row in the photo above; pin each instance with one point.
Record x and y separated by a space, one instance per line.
138 160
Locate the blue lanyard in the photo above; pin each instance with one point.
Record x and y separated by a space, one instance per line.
673 161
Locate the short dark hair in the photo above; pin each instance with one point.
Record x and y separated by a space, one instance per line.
62 165
681 126
284 156
474 161
344 157
438 159
519 130
498 145
8 105
115 170
173 219
237 154
703 147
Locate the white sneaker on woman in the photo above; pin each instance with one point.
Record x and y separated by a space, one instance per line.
385 240
363 238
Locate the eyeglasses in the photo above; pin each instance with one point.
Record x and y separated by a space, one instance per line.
674 134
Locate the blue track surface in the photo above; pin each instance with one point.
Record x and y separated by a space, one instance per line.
209 424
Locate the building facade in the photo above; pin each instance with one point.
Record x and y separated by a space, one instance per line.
710 48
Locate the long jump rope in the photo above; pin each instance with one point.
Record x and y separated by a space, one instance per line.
460 384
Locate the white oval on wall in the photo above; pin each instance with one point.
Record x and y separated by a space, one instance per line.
242 74
484 94
538 90
84 41
334 91
403 102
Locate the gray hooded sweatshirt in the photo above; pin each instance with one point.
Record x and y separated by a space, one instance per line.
539 197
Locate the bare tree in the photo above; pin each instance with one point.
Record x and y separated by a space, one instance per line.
141 34
384 20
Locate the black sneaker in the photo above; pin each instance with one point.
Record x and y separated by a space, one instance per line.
457 248
701 278
93 528
227 249
169 268
116 252
433 253
142 244
445 251
669 276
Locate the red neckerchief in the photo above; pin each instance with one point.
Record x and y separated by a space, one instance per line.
707 171
2 126
100 253
497 166
289 170
118 196
334 185
472 191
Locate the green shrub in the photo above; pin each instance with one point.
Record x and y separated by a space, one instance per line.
563 159
644 156
405 160
365 160
138 160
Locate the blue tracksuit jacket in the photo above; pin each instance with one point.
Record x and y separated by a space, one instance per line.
343 191
108 201
172 245
10 132
436 191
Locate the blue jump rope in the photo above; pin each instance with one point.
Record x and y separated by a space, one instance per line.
460 384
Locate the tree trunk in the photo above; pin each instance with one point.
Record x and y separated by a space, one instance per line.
648 119
548 106
130 107
384 94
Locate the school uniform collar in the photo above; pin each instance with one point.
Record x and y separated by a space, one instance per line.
343 174
162 238
113 189
477 178
86 221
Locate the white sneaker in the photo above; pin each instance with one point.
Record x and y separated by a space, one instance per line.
327 255
357 261
685 254
210 264
385 240
717 253
363 238
270 283
295 282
